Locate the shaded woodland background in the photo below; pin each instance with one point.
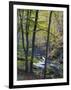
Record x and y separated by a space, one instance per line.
39 44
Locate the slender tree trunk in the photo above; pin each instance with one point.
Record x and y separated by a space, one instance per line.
18 36
47 43
33 41
18 28
22 32
27 38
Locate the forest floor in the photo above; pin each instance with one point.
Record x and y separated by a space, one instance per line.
22 75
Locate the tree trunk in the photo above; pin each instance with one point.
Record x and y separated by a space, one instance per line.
33 41
27 38
47 44
18 28
22 32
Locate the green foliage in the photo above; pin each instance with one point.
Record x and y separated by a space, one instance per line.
20 65
52 73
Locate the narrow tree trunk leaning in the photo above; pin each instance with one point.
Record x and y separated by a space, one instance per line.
33 41
47 44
